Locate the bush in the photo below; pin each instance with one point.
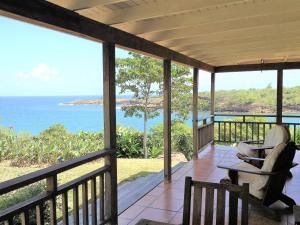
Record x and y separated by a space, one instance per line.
129 143
181 137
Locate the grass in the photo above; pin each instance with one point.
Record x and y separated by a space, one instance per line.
128 169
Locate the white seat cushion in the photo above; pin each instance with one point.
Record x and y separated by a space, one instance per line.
249 178
268 165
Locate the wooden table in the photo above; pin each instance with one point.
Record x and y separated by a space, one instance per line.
151 222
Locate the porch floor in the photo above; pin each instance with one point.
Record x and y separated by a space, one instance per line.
165 202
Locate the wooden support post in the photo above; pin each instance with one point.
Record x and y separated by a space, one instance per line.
212 101
279 96
212 94
109 103
167 119
195 111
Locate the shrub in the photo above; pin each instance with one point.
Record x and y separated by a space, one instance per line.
129 143
181 138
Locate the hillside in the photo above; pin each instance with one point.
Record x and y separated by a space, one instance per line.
252 100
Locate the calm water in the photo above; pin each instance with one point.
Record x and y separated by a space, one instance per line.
34 114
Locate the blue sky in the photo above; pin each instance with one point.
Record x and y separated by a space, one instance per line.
38 61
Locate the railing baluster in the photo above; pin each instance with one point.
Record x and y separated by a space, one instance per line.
75 206
252 131
65 208
24 218
258 131
93 201
235 132
40 214
229 131
264 131
224 131
85 204
295 133
241 131
246 131
101 197
219 131
52 188
9 221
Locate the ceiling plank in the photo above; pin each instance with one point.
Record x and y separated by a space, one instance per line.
48 15
223 26
263 32
230 13
157 9
75 5
240 44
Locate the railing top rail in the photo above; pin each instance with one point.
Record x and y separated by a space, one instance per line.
254 115
33 177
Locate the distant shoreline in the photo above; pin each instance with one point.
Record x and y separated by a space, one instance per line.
155 102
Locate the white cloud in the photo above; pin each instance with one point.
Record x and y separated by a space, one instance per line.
41 72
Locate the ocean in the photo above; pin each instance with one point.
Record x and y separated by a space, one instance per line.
34 114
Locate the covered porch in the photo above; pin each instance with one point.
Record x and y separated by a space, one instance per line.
167 33
165 202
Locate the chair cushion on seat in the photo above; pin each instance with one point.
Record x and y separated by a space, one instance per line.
275 136
268 165
246 149
249 178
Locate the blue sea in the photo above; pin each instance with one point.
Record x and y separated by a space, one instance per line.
34 114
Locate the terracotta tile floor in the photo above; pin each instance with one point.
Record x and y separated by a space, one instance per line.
165 202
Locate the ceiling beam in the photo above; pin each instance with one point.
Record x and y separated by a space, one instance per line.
258 67
75 5
230 13
52 16
157 9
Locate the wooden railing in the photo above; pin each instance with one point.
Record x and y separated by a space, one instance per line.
43 208
205 131
249 127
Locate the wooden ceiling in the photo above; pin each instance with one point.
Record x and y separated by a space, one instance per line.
217 32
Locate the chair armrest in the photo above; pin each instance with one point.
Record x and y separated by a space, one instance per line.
253 142
246 158
262 148
253 171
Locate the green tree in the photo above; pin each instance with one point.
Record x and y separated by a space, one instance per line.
141 76
182 87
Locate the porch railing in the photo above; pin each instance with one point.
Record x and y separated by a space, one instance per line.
232 128
43 207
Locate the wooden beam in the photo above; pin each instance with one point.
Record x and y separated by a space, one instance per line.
258 67
279 96
109 107
167 120
52 16
212 93
195 112
80 4
231 13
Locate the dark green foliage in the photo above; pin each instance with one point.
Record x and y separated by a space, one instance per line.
181 137
129 143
